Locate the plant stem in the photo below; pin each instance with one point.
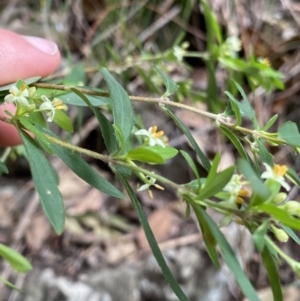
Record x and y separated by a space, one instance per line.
219 118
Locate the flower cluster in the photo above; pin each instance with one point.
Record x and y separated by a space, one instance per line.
23 98
236 190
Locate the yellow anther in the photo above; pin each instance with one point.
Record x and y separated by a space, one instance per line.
154 129
159 134
279 170
23 87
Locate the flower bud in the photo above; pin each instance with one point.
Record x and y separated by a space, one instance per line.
279 198
291 207
280 234
31 92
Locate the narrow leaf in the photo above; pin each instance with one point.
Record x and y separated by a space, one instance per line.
280 215
218 183
63 121
270 122
205 162
273 275
45 183
153 243
191 164
236 142
15 259
256 183
121 104
230 258
265 155
291 233
170 85
83 169
213 169
208 237
106 127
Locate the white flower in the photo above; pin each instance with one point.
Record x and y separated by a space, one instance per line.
149 182
48 107
153 136
235 188
179 53
276 174
18 95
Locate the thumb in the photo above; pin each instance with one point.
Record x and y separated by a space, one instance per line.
22 57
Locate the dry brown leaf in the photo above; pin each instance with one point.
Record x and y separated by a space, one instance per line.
90 201
163 222
38 232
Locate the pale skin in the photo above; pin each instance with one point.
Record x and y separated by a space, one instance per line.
22 57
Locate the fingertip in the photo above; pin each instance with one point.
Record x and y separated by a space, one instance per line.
23 57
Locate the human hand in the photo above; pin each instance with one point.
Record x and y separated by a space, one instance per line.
22 57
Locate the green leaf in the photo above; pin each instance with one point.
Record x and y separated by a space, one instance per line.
83 169
106 127
265 155
212 26
191 164
292 176
217 184
63 121
76 76
270 122
73 99
170 85
292 234
205 162
249 108
15 259
153 243
236 142
3 168
145 154
166 153
236 109
260 190
26 122
208 237
213 169
259 235
45 183
280 215
273 275
27 81
121 104
9 284
289 133
230 258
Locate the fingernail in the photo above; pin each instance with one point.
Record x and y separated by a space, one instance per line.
46 46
